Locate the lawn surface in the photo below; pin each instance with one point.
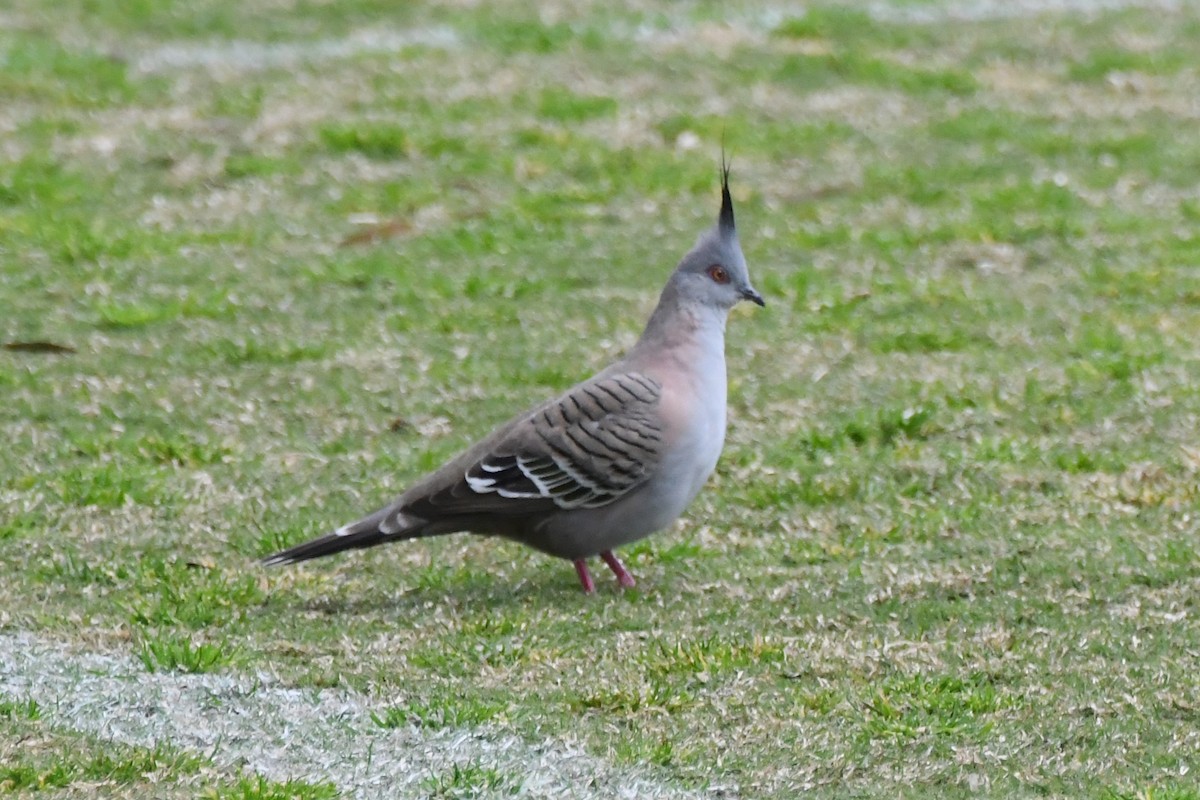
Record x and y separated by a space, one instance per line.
296 254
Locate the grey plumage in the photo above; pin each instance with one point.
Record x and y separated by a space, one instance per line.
583 451
612 459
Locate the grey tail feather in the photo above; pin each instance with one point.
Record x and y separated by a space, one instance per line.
355 536
725 221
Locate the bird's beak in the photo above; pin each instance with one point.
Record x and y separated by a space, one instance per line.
754 297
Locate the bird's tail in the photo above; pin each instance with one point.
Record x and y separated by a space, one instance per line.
367 532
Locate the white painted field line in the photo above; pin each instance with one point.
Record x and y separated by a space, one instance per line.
983 10
285 733
246 56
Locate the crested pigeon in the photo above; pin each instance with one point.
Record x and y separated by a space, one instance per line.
609 461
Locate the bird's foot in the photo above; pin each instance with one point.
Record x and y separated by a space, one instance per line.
623 577
584 576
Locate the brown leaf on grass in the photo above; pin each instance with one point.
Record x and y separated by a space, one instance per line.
370 234
38 347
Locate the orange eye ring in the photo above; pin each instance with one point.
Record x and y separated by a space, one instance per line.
718 273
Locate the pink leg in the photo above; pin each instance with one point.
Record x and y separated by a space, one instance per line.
584 577
623 577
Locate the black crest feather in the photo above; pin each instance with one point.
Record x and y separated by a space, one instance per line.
725 221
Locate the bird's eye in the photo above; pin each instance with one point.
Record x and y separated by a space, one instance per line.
718 273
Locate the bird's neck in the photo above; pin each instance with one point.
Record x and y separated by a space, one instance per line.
683 326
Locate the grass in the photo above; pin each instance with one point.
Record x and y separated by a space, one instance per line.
438 713
57 764
259 789
951 548
470 781
38 760
166 653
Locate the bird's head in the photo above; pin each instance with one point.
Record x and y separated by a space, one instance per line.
714 270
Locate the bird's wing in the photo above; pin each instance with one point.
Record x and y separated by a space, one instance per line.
588 448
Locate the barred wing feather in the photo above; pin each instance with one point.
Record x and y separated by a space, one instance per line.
589 448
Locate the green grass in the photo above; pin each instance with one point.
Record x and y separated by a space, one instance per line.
470 780
951 548
20 709
260 789
437 713
50 763
167 653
